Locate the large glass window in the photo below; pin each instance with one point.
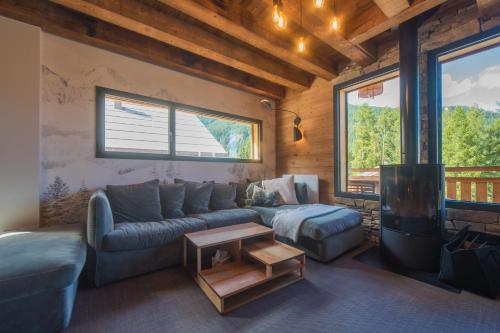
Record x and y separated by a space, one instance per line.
368 131
468 94
207 135
133 126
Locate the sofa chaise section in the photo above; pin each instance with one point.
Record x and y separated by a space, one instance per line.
325 237
39 273
126 249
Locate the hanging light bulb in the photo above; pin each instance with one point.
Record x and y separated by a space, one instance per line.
318 3
301 45
279 17
276 13
335 23
281 24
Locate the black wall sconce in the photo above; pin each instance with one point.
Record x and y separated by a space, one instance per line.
297 133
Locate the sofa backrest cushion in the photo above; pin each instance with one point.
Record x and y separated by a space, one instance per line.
172 200
197 198
136 202
301 192
223 196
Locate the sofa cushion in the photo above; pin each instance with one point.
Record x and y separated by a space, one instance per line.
143 235
172 200
197 197
285 186
317 228
223 196
134 203
301 192
45 259
222 218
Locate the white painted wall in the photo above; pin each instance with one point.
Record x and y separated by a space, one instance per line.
19 124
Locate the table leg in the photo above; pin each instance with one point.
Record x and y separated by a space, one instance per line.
198 261
303 268
185 251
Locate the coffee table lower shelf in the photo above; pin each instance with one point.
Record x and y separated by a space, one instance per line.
241 283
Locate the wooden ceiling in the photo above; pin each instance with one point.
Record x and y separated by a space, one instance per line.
227 41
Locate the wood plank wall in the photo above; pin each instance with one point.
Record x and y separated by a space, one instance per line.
313 154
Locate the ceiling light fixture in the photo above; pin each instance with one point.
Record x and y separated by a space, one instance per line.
318 3
301 44
279 17
335 22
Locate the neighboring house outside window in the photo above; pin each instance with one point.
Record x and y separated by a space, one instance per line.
134 126
367 132
465 112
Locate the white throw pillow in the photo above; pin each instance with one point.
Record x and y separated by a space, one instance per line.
285 186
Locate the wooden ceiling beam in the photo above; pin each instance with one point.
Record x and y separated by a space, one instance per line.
317 23
154 23
488 8
373 21
392 7
274 46
75 26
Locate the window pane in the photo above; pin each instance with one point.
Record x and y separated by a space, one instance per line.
204 135
135 126
471 125
373 133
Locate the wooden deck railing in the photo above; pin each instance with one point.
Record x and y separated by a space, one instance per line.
466 188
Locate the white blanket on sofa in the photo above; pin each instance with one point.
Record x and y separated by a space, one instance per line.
287 222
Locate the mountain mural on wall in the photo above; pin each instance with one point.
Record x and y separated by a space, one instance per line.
69 170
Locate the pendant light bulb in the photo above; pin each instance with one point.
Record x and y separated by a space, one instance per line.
281 24
335 23
301 45
276 13
318 3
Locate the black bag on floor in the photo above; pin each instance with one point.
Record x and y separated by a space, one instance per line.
471 260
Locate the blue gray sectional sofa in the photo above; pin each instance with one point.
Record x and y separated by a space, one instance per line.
39 273
152 240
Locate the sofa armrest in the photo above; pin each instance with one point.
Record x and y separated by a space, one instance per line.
99 219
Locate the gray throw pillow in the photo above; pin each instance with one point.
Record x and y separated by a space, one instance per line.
223 196
172 200
136 202
265 199
197 197
301 193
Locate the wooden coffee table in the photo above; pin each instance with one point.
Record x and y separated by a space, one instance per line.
259 265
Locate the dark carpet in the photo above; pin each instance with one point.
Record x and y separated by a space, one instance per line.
342 296
371 257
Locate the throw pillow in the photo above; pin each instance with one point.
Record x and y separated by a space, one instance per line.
197 198
172 200
263 198
286 188
135 203
223 196
301 192
250 188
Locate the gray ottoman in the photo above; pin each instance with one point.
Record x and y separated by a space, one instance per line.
38 278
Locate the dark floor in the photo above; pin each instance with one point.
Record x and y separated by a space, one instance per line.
343 296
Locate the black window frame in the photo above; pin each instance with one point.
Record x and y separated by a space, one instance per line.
101 93
434 84
338 131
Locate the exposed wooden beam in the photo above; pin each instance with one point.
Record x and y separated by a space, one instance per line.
151 22
373 21
65 23
317 22
392 7
488 8
274 46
